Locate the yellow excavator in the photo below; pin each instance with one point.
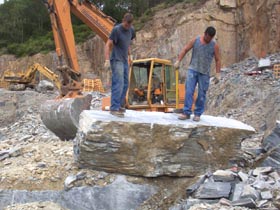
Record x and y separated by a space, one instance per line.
153 85
19 81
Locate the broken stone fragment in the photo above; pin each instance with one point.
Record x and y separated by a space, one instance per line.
228 3
262 203
262 170
275 176
15 152
250 192
71 179
225 202
68 183
245 202
224 175
213 190
153 144
191 189
243 176
41 165
4 154
237 190
35 206
261 184
266 195
45 85
271 146
3 157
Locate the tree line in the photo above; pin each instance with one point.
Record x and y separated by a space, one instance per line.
25 27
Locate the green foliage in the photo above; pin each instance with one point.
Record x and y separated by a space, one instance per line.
82 33
21 19
26 30
45 43
32 46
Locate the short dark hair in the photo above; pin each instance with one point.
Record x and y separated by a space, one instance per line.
128 17
211 31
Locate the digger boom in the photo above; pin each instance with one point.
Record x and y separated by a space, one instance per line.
61 116
60 16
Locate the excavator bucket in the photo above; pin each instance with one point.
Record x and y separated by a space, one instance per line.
62 116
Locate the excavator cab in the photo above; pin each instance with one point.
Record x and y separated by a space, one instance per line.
152 85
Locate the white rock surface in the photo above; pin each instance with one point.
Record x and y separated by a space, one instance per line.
89 117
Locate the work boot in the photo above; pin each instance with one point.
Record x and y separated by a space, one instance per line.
184 117
196 118
117 113
122 110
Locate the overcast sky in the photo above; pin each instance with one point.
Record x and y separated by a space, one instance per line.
1 1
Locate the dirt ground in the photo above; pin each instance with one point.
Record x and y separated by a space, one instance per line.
41 161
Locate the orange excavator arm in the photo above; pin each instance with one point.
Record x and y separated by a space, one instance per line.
60 15
61 116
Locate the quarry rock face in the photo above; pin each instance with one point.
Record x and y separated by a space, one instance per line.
155 144
258 27
90 58
244 28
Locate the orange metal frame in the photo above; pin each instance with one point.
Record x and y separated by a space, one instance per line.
60 15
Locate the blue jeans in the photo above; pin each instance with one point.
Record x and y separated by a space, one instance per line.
193 79
119 84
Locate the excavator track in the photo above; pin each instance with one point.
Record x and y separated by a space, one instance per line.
62 116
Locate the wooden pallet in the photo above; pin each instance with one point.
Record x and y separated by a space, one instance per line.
91 85
276 71
4 84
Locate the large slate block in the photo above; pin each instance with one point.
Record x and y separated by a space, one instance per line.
271 145
214 190
119 195
153 144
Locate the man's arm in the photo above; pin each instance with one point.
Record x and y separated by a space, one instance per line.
217 59
183 53
129 52
218 65
186 49
108 48
129 56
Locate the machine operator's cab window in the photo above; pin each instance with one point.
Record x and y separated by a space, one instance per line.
170 82
139 79
152 83
157 84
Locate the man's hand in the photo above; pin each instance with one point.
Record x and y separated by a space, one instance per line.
177 64
217 78
107 65
130 60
